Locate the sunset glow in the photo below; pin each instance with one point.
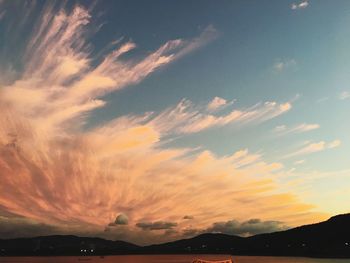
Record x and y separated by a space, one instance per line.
102 133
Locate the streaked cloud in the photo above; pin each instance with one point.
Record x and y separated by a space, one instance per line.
312 147
304 127
159 225
189 118
77 179
280 128
315 147
299 5
207 35
299 162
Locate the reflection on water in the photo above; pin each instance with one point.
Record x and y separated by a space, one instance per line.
165 259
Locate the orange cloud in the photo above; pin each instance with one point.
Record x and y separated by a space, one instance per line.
217 103
57 173
315 147
189 118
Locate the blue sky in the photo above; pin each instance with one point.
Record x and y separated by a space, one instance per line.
147 101
254 37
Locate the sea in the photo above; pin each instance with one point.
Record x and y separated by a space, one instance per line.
167 259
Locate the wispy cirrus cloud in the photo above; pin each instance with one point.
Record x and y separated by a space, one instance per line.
300 5
315 147
189 118
209 34
159 225
70 179
58 54
304 127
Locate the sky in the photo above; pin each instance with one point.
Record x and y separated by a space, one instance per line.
151 121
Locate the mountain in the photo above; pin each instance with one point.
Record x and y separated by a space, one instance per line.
65 245
326 239
205 243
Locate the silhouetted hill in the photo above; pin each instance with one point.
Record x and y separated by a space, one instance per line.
326 239
205 243
329 238
64 245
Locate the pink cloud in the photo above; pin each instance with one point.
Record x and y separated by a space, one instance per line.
189 118
55 172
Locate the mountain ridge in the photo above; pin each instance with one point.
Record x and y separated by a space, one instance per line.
330 238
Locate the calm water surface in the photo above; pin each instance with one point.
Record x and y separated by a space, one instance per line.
165 259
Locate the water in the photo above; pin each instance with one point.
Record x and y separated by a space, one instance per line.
165 259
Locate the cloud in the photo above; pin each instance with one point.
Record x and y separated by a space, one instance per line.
187 118
121 219
334 144
344 95
190 232
284 130
171 232
315 147
187 217
246 228
159 225
280 128
22 227
281 65
207 35
300 5
310 148
217 103
299 162
57 171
